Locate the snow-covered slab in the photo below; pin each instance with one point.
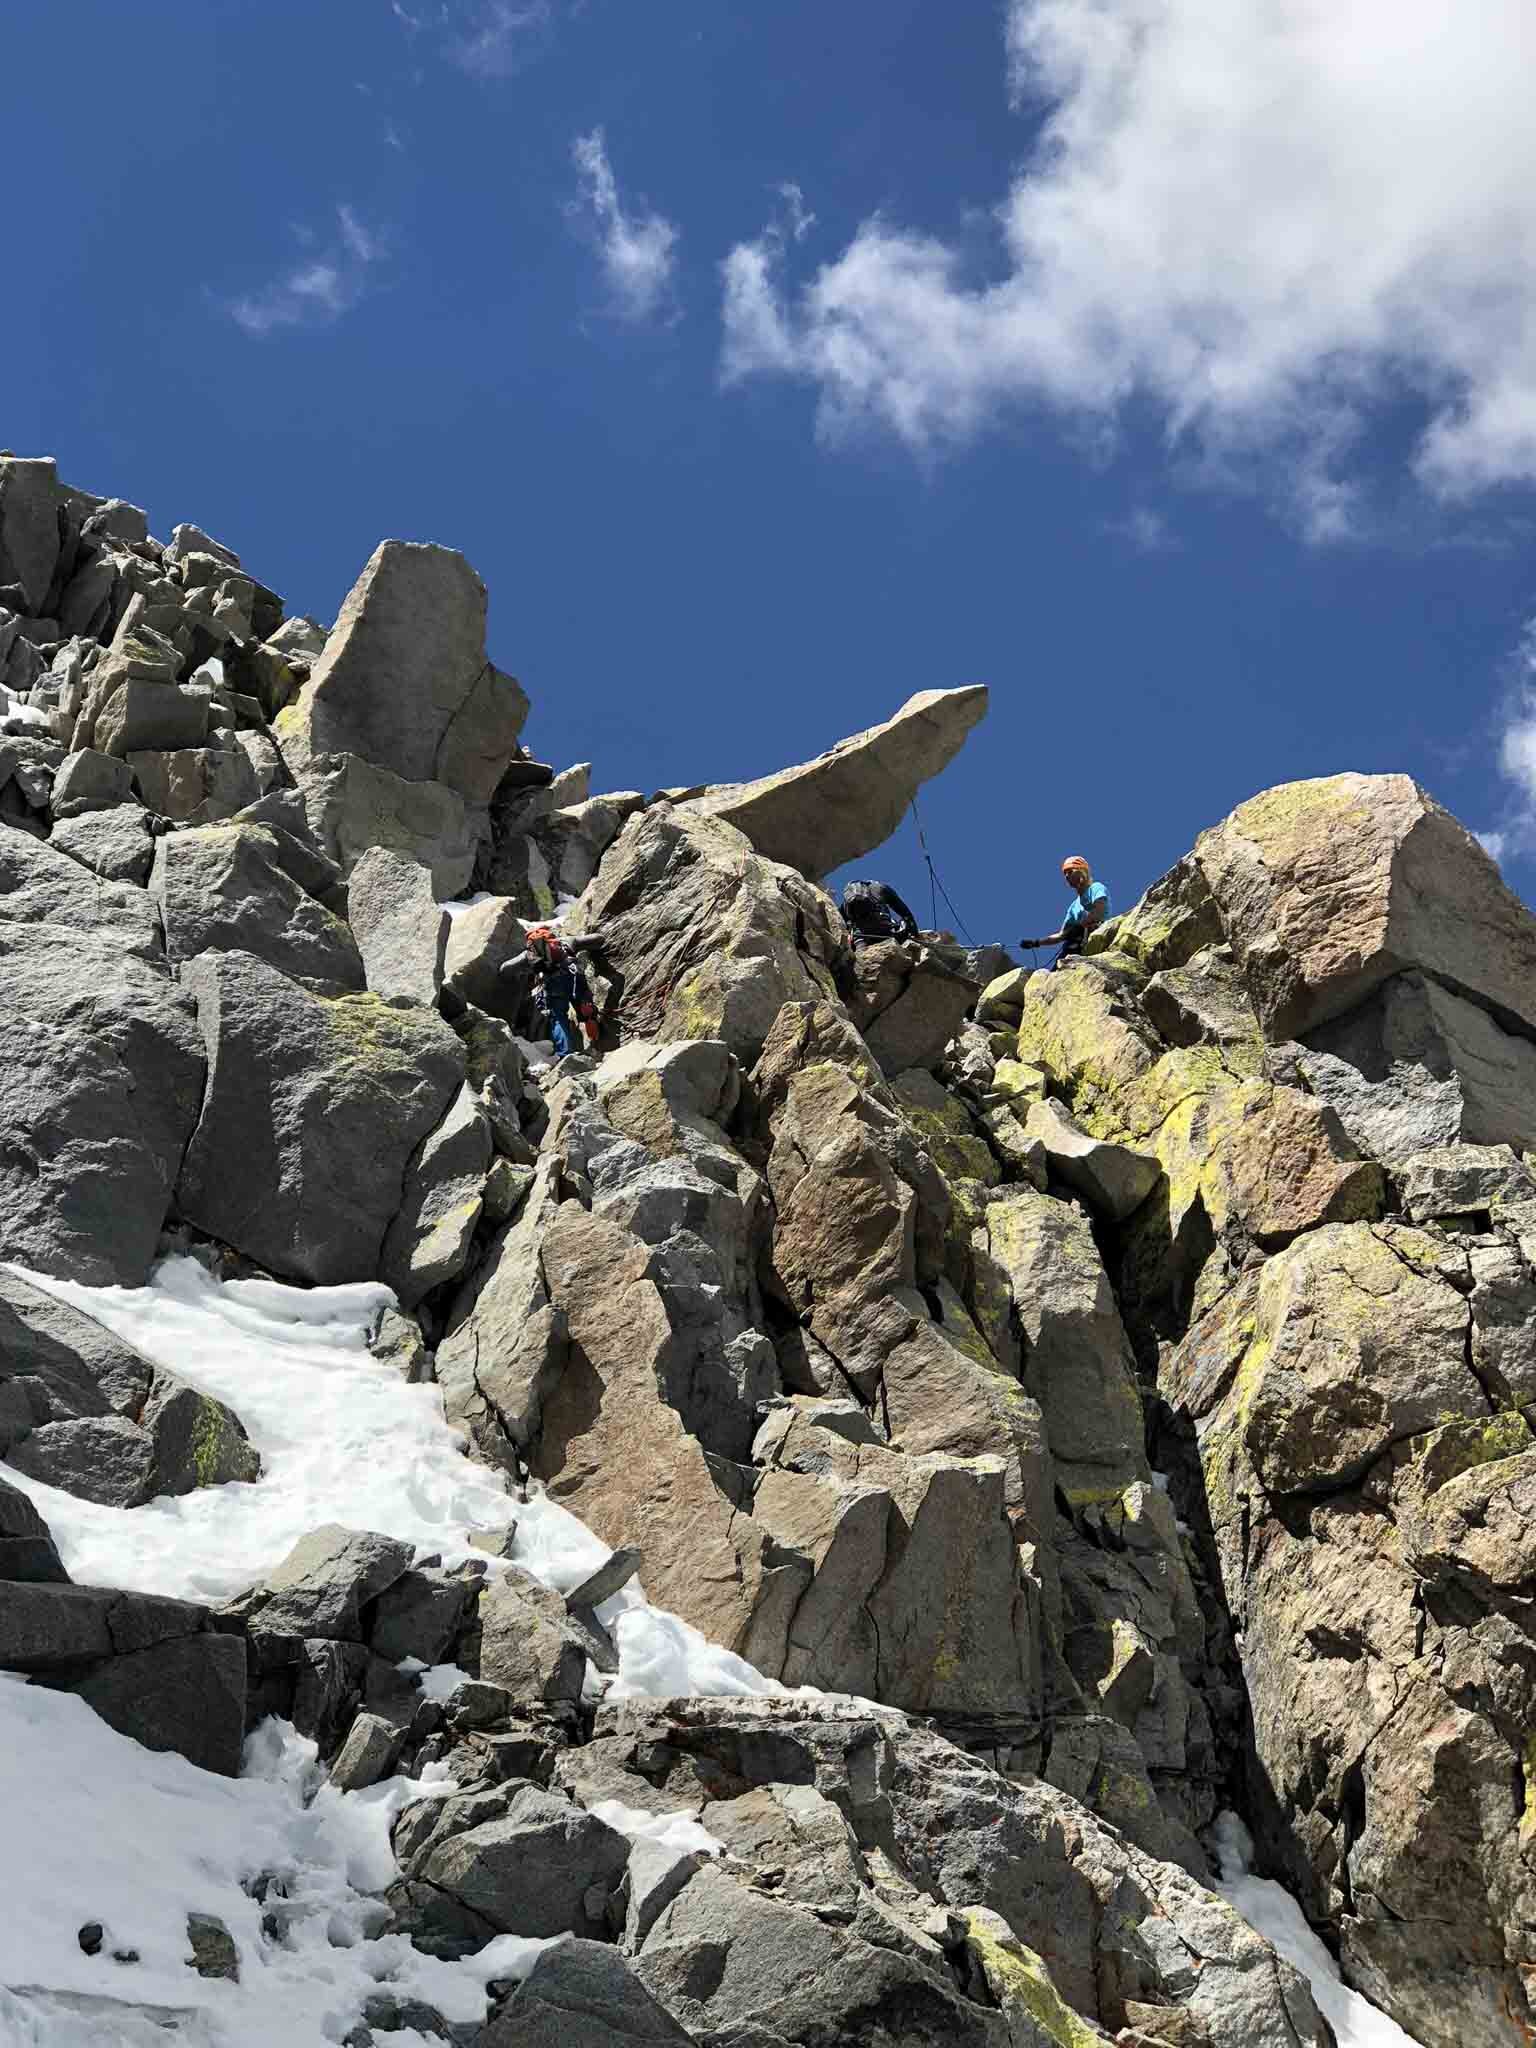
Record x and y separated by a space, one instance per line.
342 1439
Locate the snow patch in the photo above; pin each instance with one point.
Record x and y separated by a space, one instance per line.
342 1439
17 714
169 1840
457 905
677 1831
1271 1911
661 1656
440 1681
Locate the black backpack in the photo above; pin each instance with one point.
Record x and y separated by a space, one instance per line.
875 910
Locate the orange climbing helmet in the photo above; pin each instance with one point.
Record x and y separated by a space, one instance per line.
1074 866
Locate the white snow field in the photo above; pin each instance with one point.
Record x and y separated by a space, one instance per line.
342 1439
104 1830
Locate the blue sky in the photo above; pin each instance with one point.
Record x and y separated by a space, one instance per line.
1169 366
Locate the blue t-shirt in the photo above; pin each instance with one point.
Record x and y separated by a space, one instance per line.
1095 893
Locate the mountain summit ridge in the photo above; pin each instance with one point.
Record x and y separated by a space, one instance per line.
1071 1404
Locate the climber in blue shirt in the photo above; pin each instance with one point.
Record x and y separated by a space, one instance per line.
1085 915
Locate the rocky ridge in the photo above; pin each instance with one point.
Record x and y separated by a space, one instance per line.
1112 1390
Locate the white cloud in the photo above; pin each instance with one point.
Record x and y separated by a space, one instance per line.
360 243
1517 755
798 219
1516 833
638 249
1268 217
496 38
1147 531
318 290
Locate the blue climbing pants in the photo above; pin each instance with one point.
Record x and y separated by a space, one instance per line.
561 1030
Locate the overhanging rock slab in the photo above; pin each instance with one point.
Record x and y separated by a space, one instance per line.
849 801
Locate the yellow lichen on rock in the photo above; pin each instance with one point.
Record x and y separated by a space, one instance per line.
1002 999
367 1029
1133 1112
638 1107
1300 815
1017 1080
210 1437
1020 1982
1073 1027
1169 925
1355 1346
1462 1446
948 1134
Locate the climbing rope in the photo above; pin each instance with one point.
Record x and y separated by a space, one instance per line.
936 887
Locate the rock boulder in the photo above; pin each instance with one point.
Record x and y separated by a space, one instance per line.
1112 1179
354 805
1325 889
1417 1066
99 1092
224 889
31 500
527 1863
314 1106
27 1549
849 801
429 1240
115 844
1370 1514
404 682
582 1991
400 929
152 1668
702 937
321 1588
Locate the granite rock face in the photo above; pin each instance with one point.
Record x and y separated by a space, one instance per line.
1418 1065
99 1093
702 937
1112 1389
224 889
400 930
314 1105
30 502
1365 1481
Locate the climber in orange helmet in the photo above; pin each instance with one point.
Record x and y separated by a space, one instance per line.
1085 915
